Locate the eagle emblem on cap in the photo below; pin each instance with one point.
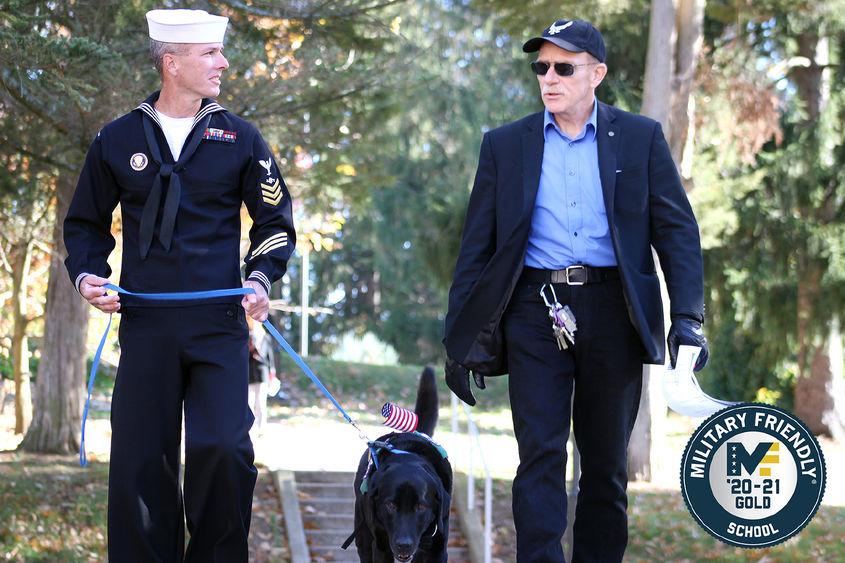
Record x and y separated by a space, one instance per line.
554 29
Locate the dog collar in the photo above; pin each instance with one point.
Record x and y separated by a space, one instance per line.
383 444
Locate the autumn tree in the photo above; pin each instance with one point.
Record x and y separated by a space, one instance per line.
299 71
777 274
399 244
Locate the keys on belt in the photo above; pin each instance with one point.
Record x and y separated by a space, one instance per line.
563 320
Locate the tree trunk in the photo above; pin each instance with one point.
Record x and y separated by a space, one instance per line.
20 346
819 388
689 22
60 385
648 433
819 393
659 66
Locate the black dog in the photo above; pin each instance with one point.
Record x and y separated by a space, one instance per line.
403 490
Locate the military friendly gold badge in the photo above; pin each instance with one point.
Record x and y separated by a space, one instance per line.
753 475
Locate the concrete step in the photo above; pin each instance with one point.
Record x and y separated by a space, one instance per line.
319 515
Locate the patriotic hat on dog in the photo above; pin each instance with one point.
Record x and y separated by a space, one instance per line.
401 419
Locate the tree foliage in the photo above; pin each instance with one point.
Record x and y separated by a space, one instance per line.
376 108
465 75
775 266
70 67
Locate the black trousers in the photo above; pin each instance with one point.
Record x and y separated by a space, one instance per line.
604 370
174 360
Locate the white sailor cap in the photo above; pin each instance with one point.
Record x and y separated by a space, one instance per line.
186 26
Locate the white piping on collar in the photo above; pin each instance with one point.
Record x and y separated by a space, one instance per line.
211 107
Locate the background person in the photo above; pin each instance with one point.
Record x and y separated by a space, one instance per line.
180 166
575 196
260 370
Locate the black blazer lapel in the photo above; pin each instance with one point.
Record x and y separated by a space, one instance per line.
607 137
532 162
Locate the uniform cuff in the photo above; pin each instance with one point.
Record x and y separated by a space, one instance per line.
262 279
79 279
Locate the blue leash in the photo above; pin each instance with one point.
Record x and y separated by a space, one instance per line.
196 295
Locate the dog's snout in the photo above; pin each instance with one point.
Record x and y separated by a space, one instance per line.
403 550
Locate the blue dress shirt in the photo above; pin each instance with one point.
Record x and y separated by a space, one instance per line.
569 224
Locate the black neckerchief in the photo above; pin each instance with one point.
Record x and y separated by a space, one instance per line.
167 172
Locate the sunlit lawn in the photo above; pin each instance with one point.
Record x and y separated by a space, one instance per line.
53 510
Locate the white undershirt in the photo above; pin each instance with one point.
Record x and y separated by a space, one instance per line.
176 130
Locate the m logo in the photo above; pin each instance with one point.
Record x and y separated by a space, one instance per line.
738 458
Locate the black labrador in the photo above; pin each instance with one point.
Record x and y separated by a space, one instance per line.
403 491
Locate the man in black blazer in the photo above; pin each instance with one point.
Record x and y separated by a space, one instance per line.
566 207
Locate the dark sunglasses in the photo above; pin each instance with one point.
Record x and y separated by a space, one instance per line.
561 69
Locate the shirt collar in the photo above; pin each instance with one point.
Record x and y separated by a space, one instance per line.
208 106
589 132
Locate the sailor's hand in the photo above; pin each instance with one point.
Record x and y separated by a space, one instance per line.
91 288
256 305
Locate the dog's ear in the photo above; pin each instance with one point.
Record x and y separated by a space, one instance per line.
443 516
443 500
445 505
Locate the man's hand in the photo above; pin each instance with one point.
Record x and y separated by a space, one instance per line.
91 288
457 378
256 305
685 330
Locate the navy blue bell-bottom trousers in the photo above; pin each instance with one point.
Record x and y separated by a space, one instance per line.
175 360
604 371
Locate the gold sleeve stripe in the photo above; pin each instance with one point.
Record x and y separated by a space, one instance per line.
271 243
272 194
269 248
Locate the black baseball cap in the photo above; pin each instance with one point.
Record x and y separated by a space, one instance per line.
572 35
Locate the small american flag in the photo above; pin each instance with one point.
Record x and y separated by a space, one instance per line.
399 418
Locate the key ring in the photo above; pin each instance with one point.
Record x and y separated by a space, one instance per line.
545 299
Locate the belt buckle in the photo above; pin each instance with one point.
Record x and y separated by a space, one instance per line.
576 268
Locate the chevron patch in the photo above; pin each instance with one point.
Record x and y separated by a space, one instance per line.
272 193
275 241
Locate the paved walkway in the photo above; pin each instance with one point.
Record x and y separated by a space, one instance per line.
324 442
311 439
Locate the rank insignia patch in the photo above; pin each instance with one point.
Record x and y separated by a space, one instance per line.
272 193
273 242
213 134
138 161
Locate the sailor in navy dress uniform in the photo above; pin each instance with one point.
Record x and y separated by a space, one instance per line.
180 209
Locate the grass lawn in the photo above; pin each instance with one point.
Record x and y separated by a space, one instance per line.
53 510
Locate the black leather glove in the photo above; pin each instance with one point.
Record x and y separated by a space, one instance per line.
457 378
686 330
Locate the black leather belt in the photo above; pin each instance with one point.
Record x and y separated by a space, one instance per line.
573 275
